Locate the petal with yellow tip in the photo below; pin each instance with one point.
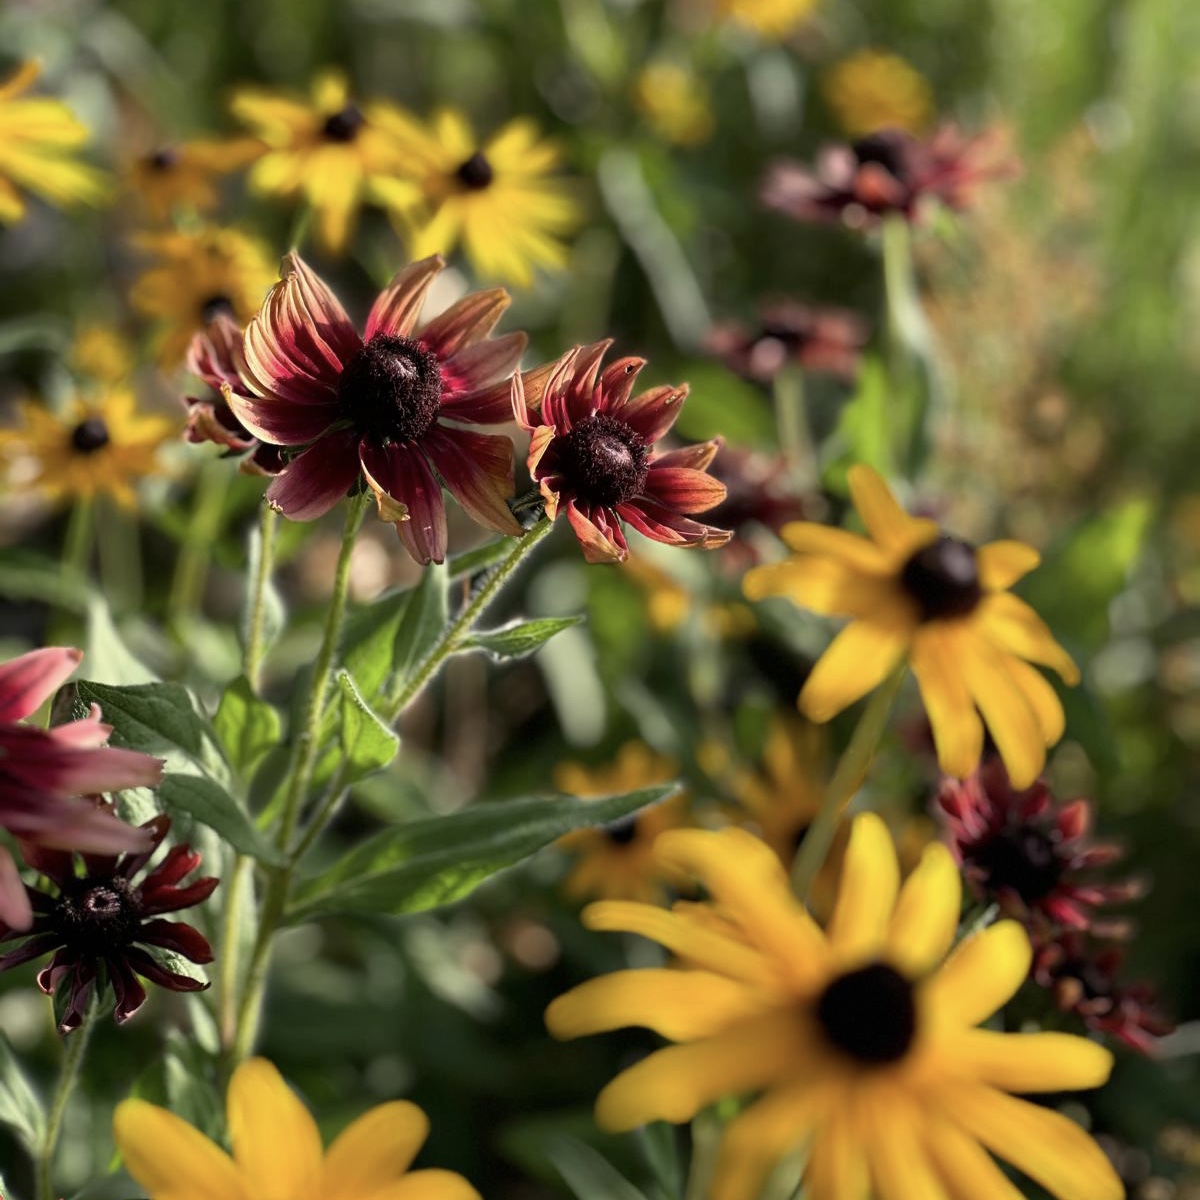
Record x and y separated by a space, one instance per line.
925 920
964 1164
957 729
1029 1062
1001 564
890 527
1013 626
981 975
866 893
430 1184
857 661
859 553
373 1151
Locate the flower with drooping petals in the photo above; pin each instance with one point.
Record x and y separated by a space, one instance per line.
378 406
873 89
592 456
99 922
37 137
862 1041
916 593
277 1150
44 772
182 177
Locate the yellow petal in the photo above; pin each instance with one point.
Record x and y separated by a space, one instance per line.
837 1166
679 1005
1040 696
891 528
1013 626
430 1184
899 1166
1048 1147
1029 1062
275 1140
957 729
1001 564
866 894
822 585
170 1159
925 920
981 975
964 1164
807 537
373 1151
858 660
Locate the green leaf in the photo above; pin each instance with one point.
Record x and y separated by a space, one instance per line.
246 726
274 614
369 641
471 562
519 639
153 717
20 1108
367 743
108 658
31 576
721 404
425 617
864 428
441 859
588 1173
211 805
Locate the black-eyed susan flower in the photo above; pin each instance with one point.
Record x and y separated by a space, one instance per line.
674 103
197 274
591 454
38 136
101 353
772 20
328 150
386 407
498 197
101 445
913 592
277 1151
182 177
874 89
861 1042
616 861
102 923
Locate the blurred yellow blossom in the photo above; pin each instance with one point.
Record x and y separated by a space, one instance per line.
674 102
873 90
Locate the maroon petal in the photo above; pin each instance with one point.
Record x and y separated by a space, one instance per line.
204 424
35 947
178 862
311 484
280 422
662 525
15 910
395 311
130 994
654 412
82 983
465 322
683 489
553 407
145 966
56 865
485 363
617 383
696 457
165 900
156 829
484 406
179 937
598 533
29 679
399 475
323 326
578 398
477 469
215 354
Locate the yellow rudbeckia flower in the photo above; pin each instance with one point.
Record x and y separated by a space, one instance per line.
874 90
674 101
770 19
37 138
861 1040
183 177
913 592
277 1153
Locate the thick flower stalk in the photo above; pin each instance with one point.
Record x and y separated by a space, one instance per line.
913 592
277 1150
385 407
44 773
862 1042
592 456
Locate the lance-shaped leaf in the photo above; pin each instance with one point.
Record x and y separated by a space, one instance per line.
211 805
20 1108
519 639
246 726
367 743
425 617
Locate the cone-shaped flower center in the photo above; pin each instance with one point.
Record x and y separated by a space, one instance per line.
343 126
89 436
215 306
475 173
869 1014
943 579
622 832
886 149
97 917
391 390
1023 859
604 460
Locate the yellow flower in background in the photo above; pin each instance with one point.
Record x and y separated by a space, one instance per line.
102 353
327 150
197 274
770 19
668 601
913 592
861 1041
100 446
183 177
277 1151
38 135
617 860
873 90
499 198
674 103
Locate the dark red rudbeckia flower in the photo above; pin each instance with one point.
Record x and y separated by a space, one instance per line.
591 455
887 172
1030 854
45 772
98 924
385 407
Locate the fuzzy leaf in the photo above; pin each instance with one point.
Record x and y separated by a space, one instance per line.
20 1108
425 617
519 639
153 717
246 726
211 805
367 742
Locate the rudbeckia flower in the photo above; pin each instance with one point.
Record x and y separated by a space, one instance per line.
498 197
874 90
328 150
592 456
913 592
861 1041
37 137
277 1150
377 407
182 177
101 445
44 773
99 921
771 19
674 102
197 275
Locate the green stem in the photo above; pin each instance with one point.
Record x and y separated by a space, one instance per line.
76 554
195 554
848 776
227 979
976 921
256 612
453 635
68 1075
792 423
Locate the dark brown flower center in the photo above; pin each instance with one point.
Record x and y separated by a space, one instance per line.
215 306
888 148
869 1014
1022 859
789 335
343 126
604 461
475 173
391 390
89 436
97 917
164 159
943 579
622 832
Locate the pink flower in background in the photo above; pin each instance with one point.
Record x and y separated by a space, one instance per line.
44 773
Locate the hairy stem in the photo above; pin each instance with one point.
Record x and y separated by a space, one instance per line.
256 611
74 1049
